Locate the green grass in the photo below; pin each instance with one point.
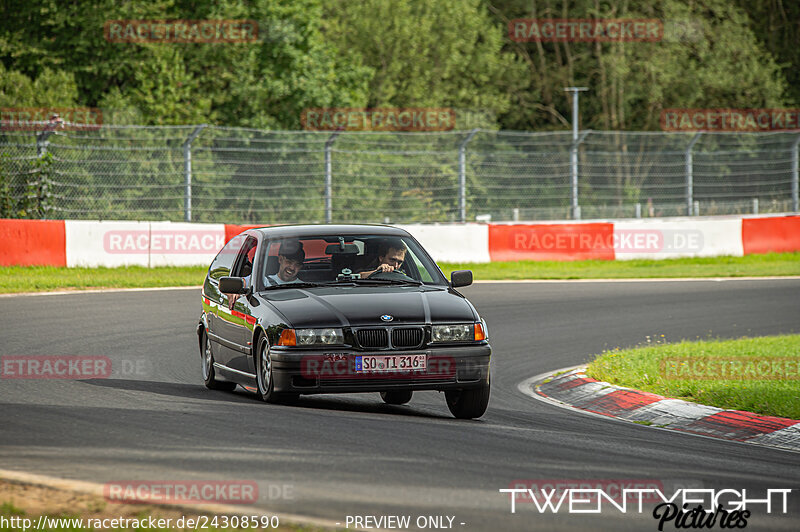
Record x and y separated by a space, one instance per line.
42 278
770 264
8 509
643 368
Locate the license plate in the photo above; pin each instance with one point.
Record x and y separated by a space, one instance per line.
390 363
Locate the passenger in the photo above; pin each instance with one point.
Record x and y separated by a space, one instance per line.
391 256
290 261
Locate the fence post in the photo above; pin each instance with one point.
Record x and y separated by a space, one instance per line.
690 174
576 208
329 176
795 172
462 176
42 141
187 173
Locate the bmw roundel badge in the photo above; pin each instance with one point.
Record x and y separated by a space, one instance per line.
387 317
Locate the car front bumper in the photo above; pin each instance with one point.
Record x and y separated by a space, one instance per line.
331 371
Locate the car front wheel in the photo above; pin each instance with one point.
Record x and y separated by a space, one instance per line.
209 375
470 403
266 385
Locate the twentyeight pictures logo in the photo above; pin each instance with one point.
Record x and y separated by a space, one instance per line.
181 31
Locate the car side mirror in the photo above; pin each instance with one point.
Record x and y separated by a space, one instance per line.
461 278
232 285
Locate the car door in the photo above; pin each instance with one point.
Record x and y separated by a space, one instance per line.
216 301
235 324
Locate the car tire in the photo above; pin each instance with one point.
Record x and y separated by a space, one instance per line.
397 397
265 385
209 374
470 403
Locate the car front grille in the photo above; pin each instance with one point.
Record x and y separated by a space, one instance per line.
410 337
373 338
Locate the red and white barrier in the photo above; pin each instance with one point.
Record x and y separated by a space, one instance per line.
142 243
118 243
669 239
551 241
762 235
453 243
32 243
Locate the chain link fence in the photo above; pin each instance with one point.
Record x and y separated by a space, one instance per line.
239 175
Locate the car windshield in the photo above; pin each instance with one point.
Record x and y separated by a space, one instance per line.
368 260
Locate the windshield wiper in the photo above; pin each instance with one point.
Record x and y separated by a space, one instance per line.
387 281
295 285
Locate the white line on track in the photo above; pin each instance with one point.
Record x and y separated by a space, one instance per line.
645 280
486 281
102 290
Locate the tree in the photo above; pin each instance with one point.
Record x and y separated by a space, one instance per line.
708 57
777 25
266 83
427 54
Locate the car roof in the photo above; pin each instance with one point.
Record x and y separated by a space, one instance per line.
329 229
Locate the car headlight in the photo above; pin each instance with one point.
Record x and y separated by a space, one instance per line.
307 337
462 332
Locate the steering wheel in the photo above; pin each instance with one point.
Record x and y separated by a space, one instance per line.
397 275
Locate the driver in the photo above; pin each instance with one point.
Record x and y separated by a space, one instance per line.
391 256
290 260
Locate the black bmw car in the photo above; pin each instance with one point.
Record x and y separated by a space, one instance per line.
312 309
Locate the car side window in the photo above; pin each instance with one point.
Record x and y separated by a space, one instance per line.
244 264
414 263
223 262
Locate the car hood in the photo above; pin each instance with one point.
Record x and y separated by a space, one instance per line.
364 305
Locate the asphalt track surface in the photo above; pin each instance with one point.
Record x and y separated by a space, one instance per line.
334 456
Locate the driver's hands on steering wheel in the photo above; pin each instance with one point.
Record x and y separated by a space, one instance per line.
384 269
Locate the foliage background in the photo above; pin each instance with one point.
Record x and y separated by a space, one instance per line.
389 53
415 53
